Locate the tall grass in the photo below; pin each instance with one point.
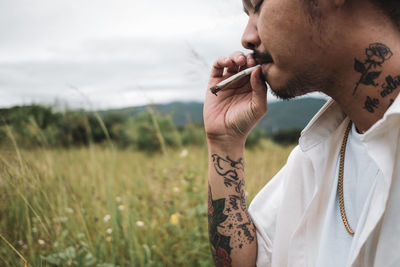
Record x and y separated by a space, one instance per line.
100 206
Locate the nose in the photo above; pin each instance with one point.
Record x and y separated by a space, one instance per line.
250 37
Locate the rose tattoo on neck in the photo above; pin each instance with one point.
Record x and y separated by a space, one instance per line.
376 54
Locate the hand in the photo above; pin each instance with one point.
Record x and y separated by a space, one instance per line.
230 116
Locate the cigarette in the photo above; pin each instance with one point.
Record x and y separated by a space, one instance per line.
232 79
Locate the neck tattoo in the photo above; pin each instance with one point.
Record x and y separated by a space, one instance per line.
370 69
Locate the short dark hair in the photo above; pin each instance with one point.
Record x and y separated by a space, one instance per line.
391 8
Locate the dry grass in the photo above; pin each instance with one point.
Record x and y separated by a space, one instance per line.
99 206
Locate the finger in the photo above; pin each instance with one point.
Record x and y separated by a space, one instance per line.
259 95
238 57
250 61
218 67
232 68
239 60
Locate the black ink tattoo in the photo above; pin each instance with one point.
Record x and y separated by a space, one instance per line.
230 225
390 85
246 231
239 217
230 170
233 201
224 166
230 183
220 244
376 54
371 104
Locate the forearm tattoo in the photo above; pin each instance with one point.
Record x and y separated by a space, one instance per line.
228 227
229 170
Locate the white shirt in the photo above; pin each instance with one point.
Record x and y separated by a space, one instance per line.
290 210
359 176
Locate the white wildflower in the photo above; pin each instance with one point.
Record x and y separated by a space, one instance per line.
184 153
109 238
69 210
107 218
121 207
140 223
63 219
34 229
109 231
118 199
41 242
176 189
20 242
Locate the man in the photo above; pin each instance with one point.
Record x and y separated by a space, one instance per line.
335 201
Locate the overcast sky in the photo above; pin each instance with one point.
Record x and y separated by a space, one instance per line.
113 53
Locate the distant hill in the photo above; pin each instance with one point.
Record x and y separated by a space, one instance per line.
182 112
293 114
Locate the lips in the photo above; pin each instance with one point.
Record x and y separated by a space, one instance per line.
262 57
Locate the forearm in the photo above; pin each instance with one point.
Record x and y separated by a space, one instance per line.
232 233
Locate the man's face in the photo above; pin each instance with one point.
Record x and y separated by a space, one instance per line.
291 35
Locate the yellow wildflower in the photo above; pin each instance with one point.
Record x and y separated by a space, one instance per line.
174 219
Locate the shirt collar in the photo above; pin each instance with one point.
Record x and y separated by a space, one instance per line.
329 118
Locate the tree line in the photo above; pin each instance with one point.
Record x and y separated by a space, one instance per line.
37 125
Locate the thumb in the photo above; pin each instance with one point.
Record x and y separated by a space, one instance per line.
259 94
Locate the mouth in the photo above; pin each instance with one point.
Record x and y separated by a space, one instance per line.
262 57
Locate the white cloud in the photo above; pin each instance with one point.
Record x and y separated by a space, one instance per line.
117 52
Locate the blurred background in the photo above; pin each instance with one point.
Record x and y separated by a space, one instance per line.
103 159
117 53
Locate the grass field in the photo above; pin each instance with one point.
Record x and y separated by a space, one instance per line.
100 206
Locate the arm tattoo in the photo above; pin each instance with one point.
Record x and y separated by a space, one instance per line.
376 55
220 244
229 170
227 167
228 227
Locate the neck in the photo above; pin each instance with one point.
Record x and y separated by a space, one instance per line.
369 81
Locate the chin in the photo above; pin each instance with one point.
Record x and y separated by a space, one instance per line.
297 85
283 94
286 90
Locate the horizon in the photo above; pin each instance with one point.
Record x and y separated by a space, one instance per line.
64 105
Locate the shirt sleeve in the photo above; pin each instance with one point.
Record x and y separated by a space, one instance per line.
265 207
263 211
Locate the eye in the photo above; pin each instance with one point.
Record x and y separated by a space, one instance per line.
258 6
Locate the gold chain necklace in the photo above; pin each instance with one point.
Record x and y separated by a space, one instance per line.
340 183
